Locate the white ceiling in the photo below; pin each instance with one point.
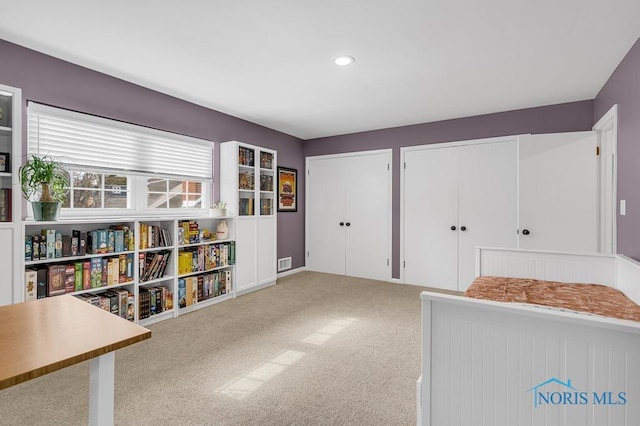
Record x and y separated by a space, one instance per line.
271 62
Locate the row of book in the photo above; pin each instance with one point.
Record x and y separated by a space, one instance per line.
204 258
154 236
245 156
152 265
266 160
245 207
189 232
52 244
246 180
199 288
96 272
117 301
5 205
266 183
153 301
266 206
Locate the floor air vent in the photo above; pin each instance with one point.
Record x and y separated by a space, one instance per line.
284 264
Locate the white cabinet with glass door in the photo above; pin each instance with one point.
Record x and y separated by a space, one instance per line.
10 194
248 183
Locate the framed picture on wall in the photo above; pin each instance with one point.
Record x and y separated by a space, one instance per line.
5 162
287 189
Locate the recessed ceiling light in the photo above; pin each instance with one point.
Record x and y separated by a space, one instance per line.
344 60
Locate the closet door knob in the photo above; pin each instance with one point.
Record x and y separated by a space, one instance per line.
453 228
341 223
463 228
525 232
348 223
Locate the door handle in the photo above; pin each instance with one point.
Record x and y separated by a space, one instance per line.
463 228
453 228
348 224
341 223
525 232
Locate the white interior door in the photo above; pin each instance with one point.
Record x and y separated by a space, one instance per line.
488 202
606 130
367 219
430 211
558 192
325 212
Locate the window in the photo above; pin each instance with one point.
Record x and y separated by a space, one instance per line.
118 166
98 191
173 194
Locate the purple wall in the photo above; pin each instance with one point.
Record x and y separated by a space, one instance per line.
55 82
575 116
623 89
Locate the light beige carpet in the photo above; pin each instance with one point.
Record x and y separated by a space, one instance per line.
315 349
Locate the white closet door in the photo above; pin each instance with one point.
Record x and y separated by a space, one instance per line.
368 211
558 192
487 194
430 210
326 183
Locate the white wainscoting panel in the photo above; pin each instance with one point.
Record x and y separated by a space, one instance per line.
550 266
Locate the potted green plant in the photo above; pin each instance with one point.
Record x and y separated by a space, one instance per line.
45 183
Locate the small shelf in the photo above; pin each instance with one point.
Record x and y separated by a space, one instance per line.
205 303
99 289
72 258
169 313
217 268
156 280
204 243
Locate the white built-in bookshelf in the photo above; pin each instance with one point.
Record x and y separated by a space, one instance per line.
143 269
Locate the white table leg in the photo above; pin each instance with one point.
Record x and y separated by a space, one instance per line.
101 383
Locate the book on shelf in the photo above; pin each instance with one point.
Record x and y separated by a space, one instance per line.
86 275
35 249
78 269
5 205
31 283
116 301
43 283
81 237
58 246
49 236
55 279
155 264
154 300
144 300
245 156
28 247
65 241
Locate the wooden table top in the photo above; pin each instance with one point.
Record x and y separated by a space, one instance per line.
45 335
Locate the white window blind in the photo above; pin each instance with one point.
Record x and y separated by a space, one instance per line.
83 141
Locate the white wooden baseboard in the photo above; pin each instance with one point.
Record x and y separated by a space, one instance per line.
292 271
